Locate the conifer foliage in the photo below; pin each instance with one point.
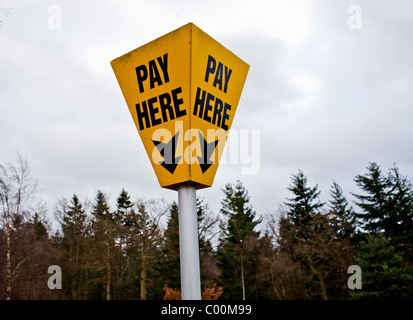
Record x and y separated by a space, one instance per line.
128 247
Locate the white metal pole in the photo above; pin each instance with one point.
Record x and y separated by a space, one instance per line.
188 243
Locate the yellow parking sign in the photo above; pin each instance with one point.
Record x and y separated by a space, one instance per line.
182 91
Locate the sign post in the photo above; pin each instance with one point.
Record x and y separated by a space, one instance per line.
188 243
182 91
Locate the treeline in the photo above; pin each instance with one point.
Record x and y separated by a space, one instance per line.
131 251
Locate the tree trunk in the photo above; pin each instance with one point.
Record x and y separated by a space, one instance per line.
143 279
108 279
320 278
144 255
9 280
322 286
144 261
274 286
242 275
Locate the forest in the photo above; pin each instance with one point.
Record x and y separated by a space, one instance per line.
131 251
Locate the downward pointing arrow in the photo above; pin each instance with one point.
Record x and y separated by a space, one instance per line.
206 149
167 151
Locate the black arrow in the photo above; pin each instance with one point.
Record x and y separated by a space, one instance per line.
167 151
206 149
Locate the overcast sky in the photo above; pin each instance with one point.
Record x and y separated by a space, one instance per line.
329 90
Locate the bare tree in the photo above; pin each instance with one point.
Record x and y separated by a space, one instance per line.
17 187
147 222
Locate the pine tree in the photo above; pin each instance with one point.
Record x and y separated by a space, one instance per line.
171 260
399 225
123 205
341 214
305 201
383 273
149 237
315 244
387 207
376 203
101 209
240 225
75 245
107 252
128 230
239 214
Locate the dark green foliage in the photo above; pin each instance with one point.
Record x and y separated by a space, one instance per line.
75 244
101 210
123 205
236 242
375 204
400 215
171 258
383 274
341 214
239 214
387 206
305 200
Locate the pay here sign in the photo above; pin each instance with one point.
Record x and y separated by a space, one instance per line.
182 91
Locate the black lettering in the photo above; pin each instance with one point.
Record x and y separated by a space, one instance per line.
218 76
216 118
199 102
164 66
154 75
178 102
225 116
208 107
228 73
153 111
211 65
165 105
142 75
143 115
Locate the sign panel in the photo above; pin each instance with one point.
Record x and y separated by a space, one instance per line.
182 91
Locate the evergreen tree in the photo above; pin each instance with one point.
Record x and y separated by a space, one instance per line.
101 209
123 205
315 244
107 251
75 246
239 214
383 273
305 201
232 255
149 238
341 215
399 227
387 207
376 203
128 231
171 259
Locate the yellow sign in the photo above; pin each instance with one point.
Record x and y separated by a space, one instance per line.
182 91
